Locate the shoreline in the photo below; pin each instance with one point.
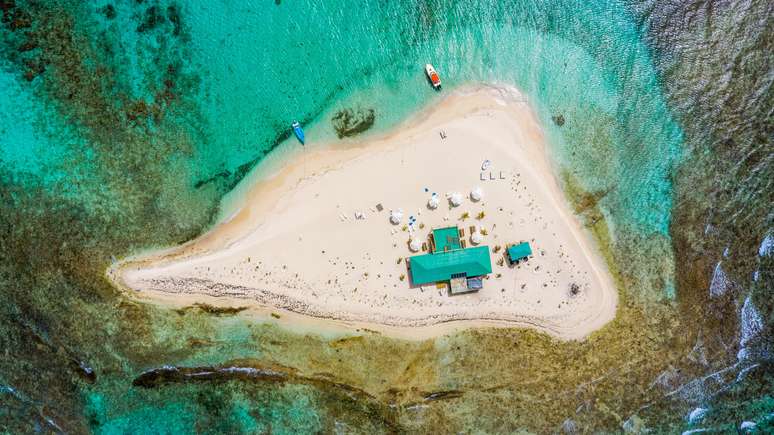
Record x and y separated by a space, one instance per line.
264 193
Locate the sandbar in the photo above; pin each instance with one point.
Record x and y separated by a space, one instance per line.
309 244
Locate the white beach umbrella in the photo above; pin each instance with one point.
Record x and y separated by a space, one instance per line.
476 194
415 245
476 238
396 216
433 202
455 199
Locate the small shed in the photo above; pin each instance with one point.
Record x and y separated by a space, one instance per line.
519 252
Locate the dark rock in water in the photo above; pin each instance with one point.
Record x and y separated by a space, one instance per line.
109 11
152 19
558 119
33 69
85 372
173 14
28 46
348 122
20 20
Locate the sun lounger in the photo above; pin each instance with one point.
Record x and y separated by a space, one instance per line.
424 247
462 232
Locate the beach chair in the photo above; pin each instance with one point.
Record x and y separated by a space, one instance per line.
462 232
424 247
472 229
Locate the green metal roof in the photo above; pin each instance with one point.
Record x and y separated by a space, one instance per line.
517 252
446 239
442 265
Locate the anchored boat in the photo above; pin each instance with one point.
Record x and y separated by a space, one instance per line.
298 131
435 79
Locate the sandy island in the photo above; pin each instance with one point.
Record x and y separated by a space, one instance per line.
310 244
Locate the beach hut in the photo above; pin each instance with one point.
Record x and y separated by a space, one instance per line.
476 194
396 216
456 267
455 199
519 252
450 262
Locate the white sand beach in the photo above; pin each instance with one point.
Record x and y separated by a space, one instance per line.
310 244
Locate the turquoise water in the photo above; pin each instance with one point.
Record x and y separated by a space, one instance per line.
125 123
244 72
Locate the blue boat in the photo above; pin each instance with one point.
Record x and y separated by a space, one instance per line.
298 131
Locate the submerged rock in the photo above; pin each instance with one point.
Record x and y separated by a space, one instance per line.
348 122
151 20
109 12
558 119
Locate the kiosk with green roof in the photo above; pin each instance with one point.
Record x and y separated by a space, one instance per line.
462 267
519 252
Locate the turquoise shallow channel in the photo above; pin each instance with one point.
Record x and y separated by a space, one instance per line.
125 122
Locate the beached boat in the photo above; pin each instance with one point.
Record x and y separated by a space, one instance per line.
433 76
298 131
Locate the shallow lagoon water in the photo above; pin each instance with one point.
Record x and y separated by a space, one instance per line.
145 114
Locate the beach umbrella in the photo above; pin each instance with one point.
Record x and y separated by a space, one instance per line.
433 202
476 238
455 199
476 194
396 216
415 245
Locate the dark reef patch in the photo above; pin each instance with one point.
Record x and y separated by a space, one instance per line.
249 372
211 309
109 11
151 19
349 122
173 15
443 395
